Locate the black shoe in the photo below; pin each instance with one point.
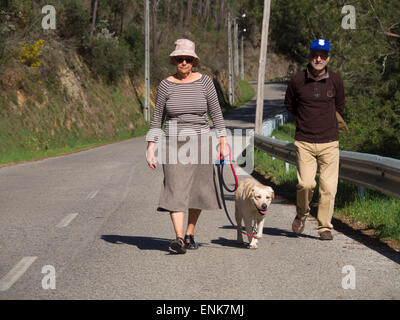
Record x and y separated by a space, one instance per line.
190 243
178 245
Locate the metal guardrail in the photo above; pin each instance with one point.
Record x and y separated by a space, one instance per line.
368 170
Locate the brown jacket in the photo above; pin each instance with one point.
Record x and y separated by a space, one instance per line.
314 102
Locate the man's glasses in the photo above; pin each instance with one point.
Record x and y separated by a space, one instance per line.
187 59
322 56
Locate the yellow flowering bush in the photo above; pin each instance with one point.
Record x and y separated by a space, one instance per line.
30 53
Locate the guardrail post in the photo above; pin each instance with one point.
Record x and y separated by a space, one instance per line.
279 120
287 164
361 192
267 127
273 137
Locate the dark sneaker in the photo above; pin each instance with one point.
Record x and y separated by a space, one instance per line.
326 235
190 243
298 225
178 245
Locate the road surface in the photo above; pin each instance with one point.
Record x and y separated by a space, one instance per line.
85 226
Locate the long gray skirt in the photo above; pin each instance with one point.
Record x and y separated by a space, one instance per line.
190 185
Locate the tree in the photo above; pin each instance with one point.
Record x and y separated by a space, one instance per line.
154 28
188 14
93 15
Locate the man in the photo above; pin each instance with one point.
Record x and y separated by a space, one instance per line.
314 95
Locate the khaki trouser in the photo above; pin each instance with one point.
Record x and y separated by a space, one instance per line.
309 157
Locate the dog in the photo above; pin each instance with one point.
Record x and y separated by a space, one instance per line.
252 200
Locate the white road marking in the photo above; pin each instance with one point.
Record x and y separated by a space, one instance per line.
92 194
10 278
67 220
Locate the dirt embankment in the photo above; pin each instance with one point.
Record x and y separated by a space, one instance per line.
60 102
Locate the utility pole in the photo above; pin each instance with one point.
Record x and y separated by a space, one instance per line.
236 45
242 56
231 85
261 67
147 64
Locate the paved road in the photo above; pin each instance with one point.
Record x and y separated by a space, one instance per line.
244 117
90 218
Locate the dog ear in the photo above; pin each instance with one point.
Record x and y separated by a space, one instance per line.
272 193
249 192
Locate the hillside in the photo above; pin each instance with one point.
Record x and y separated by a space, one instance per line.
77 86
59 105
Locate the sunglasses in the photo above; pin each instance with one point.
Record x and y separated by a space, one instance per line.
187 59
322 56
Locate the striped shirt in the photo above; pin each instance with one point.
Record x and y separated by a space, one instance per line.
184 107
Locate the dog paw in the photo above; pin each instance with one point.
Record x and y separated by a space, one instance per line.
253 246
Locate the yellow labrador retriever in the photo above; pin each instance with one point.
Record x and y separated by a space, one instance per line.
252 200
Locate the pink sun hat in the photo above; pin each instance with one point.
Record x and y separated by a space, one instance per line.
184 47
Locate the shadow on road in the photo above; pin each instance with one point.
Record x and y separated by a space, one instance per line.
228 242
143 243
267 231
270 231
369 241
286 233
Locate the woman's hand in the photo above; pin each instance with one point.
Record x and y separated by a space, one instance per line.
151 157
223 148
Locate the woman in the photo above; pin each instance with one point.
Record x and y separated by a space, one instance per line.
183 101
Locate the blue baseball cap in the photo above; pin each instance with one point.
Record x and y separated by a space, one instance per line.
320 44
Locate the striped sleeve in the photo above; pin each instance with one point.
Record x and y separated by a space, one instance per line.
159 113
213 107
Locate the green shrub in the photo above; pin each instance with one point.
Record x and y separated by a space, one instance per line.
75 20
2 50
133 37
109 58
246 93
